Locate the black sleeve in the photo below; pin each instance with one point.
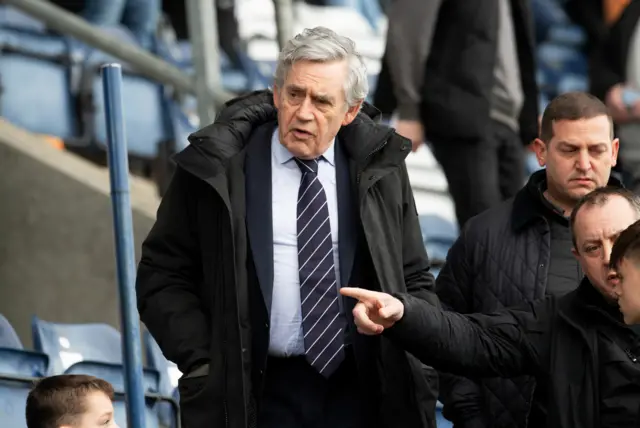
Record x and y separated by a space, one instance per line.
609 61
588 15
505 344
462 397
418 279
606 67
168 276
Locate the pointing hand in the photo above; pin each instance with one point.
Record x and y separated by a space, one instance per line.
374 311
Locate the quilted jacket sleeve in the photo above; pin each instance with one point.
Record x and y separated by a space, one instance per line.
508 343
462 398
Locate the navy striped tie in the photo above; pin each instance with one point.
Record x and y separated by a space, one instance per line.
322 323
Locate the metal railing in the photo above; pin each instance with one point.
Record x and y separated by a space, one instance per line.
205 86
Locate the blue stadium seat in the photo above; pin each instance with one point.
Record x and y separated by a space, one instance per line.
441 422
36 71
438 235
145 115
249 77
8 336
94 349
13 18
18 371
85 348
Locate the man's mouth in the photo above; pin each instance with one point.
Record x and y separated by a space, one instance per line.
301 132
582 180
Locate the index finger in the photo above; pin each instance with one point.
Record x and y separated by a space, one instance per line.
360 294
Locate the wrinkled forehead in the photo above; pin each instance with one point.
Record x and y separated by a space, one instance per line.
605 220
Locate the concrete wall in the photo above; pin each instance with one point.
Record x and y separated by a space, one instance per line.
57 257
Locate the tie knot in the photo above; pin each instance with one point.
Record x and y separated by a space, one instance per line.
307 165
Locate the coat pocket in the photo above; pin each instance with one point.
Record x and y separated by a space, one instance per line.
198 408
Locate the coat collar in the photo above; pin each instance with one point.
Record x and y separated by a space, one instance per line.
212 147
527 204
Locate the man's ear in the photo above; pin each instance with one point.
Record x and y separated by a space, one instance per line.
352 112
575 253
276 96
615 147
539 147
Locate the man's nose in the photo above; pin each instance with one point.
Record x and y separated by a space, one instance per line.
583 162
305 110
606 253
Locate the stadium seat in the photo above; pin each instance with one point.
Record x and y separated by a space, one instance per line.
36 71
11 17
145 116
94 349
18 370
438 235
248 77
169 375
8 336
89 347
441 422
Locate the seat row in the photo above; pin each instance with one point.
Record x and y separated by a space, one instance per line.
93 349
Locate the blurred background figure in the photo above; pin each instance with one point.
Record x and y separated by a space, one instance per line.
139 16
615 78
462 74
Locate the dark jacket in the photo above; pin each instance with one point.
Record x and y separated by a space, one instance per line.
501 259
201 288
558 340
439 66
609 66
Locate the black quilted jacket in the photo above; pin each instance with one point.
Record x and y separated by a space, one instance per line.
500 260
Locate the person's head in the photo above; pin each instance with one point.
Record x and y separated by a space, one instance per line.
319 86
625 261
596 221
577 146
70 401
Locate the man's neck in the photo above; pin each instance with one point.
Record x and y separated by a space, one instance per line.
561 206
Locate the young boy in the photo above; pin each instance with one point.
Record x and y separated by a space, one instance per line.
625 260
71 401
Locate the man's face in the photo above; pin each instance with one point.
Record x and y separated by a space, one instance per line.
578 158
312 107
99 412
627 288
596 228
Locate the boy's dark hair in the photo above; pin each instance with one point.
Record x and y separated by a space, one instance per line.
60 400
626 246
600 197
571 106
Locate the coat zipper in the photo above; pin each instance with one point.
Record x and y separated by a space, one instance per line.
373 152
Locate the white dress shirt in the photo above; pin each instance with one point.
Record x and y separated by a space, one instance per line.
286 337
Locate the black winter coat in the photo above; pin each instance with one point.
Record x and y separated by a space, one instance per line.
197 288
554 340
501 259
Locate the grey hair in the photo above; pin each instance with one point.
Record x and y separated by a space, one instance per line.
321 44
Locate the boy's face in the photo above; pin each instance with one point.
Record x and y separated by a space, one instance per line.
99 413
627 287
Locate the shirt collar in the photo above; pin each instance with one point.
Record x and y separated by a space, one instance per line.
283 155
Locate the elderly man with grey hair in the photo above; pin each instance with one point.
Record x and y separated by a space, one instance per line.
288 196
